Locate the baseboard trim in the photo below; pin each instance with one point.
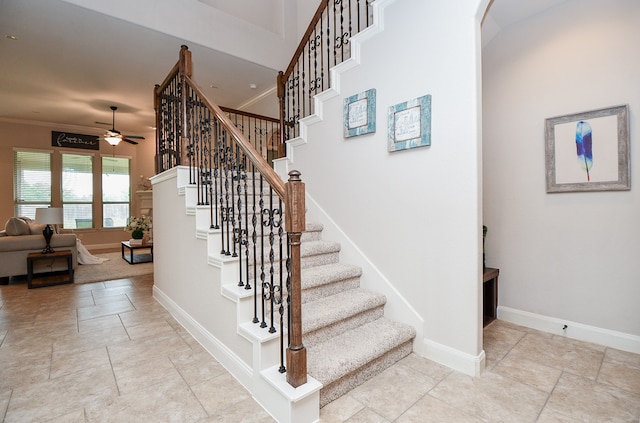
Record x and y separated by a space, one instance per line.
610 338
230 361
455 359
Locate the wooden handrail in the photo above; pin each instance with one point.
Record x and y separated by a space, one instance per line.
248 114
305 38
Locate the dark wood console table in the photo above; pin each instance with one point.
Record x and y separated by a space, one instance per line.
489 295
51 278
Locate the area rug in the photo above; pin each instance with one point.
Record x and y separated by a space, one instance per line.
114 268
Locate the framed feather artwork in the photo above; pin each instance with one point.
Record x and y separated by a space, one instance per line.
588 151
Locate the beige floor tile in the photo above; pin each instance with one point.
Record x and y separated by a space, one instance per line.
146 374
427 367
528 372
60 396
197 366
65 362
498 340
73 417
90 340
247 411
391 403
22 366
340 410
561 354
111 299
100 323
38 337
491 397
624 358
368 416
137 317
151 328
627 378
589 401
101 310
219 393
431 410
130 353
5 396
170 401
550 416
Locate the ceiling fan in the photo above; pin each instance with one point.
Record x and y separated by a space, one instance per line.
113 136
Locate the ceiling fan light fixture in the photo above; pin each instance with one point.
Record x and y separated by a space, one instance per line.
113 139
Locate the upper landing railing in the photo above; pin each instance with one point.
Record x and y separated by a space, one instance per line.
326 43
247 200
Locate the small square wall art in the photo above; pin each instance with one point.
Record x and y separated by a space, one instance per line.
359 113
410 124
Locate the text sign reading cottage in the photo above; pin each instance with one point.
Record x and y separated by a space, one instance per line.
67 139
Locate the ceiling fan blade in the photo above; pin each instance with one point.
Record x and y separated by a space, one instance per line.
130 141
137 137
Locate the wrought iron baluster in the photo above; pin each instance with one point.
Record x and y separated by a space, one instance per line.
213 213
263 323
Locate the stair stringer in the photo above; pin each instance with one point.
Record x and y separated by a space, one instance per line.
259 373
397 307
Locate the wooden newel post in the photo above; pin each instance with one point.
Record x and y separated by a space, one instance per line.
185 68
295 225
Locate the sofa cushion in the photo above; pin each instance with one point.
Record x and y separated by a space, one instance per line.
16 226
36 242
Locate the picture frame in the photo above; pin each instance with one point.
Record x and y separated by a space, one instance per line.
409 124
359 112
588 151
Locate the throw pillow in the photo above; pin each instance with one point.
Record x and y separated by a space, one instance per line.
36 228
16 226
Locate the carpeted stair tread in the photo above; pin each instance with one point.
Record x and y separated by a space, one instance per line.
313 248
348 352
322 275
336 308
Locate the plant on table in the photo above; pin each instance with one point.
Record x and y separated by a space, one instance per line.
137 226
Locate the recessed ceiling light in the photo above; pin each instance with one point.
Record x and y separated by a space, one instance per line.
253 86
11 37
213 86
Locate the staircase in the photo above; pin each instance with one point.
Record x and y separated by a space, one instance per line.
347 337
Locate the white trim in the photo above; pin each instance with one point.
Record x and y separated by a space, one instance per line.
574 330
164 176
455 359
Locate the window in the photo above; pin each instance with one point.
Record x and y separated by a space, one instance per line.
116 181
31 182
54 178
77 191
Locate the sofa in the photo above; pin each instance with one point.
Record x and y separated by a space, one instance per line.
22 236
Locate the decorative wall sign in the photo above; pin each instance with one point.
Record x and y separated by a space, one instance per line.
69 140
360 114
410 124
588 151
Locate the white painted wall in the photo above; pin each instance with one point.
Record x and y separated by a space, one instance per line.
416 213
572 256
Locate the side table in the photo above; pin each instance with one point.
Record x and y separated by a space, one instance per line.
489 295
137 258
52 278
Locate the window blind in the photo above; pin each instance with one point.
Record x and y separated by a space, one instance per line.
31 182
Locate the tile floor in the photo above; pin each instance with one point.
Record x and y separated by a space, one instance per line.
107 352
